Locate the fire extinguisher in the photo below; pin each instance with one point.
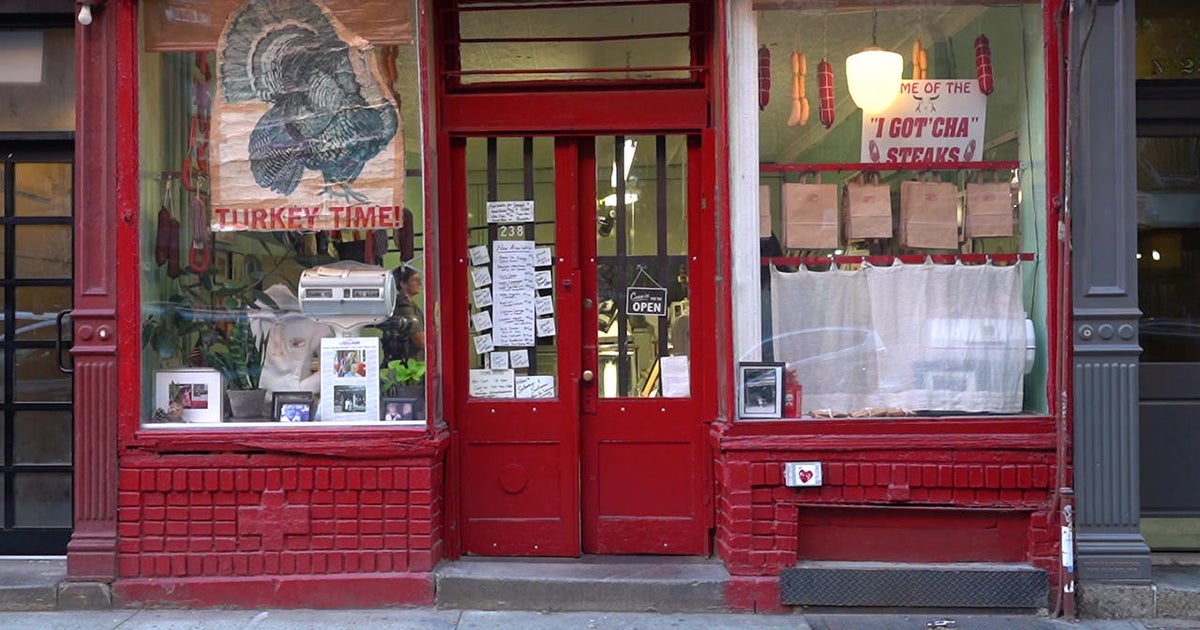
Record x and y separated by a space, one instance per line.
792 391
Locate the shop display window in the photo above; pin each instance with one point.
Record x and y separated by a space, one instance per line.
901 209
282 220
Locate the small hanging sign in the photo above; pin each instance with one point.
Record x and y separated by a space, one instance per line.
645 300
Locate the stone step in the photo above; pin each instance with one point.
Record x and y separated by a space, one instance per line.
30 584
904 585
593 583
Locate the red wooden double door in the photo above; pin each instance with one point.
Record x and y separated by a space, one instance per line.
584 343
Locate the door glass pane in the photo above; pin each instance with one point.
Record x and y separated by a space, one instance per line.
37 312
42 437
1169 248
513 345
43 190
42 499
642 266
43 251
36 377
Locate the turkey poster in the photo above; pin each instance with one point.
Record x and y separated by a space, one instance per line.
305 128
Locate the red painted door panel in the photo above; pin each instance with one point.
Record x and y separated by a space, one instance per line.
608 464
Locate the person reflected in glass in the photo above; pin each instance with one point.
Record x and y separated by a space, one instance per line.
404 331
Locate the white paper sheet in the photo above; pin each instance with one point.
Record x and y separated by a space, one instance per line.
542 257
541 386
482 321
349 379
479 255
509 211
491 384
675 378
513 293
482 297
484 344
544 305
518 358
499 360
543 280
545 327
481 276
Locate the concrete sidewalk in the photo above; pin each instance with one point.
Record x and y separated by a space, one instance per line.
433 619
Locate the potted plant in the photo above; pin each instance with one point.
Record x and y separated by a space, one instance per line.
238 356
404 379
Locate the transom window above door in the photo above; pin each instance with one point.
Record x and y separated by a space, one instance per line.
589 41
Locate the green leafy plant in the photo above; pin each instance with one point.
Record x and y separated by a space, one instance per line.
398 373
237 355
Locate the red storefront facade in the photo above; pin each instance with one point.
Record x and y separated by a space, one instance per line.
362 515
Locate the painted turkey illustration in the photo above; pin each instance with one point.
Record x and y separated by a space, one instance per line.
330 111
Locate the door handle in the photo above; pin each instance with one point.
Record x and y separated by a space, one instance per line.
58 343
588 376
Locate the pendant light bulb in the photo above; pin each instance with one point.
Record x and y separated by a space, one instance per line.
873 74
85 14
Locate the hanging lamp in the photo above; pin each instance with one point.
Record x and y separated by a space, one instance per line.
873 74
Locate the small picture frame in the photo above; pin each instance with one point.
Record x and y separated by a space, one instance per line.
192 395
292 407
760 390
398 410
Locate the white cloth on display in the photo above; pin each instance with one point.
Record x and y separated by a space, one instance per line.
923 337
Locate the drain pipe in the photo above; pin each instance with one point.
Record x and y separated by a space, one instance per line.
1066 573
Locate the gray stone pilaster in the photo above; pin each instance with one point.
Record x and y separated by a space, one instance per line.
1105 310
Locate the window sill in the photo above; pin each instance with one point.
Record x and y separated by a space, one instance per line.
1026 432
348 441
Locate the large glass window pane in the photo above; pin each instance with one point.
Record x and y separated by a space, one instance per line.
901 248
263 178
43 251
43 190
37 312
36 377
42 499
42 437
641 240
511 239
1169 248
633 41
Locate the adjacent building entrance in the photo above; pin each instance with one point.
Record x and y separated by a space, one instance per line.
36 239
580 410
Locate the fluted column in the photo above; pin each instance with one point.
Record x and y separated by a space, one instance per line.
91 553
1105 310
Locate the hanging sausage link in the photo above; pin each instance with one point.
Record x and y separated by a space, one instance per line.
799 114
825 92
764 77
983 64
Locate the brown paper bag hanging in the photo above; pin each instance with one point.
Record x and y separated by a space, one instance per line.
810 216
989 210
928 215
868 210
764 211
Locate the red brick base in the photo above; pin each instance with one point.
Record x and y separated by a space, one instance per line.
297 591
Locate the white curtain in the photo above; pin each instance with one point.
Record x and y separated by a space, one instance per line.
927 338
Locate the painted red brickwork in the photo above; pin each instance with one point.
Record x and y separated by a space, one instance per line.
1000 497
256 527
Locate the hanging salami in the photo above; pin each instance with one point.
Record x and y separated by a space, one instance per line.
764 77
825 92
983 64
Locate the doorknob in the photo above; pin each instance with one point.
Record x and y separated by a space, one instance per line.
588 375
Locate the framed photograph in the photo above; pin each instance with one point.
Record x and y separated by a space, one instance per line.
293 407
189 394
398 409
760 390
